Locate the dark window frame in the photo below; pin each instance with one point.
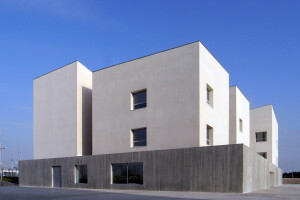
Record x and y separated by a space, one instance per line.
209 95
78 174
261 139
135 142
263 154
209 135
241 125
138 105
128 168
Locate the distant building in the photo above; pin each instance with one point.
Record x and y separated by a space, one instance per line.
167 121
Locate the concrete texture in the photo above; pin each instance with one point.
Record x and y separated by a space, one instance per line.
210 169
17 193
258 173
62 112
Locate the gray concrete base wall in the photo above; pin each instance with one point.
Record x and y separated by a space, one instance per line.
258 172
210 169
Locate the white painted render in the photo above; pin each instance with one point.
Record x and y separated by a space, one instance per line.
177 112
58 125
84 110
172 113
239 109
217 114
79 112
264 119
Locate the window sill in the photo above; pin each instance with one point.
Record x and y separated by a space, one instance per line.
138 146
210 105
138 109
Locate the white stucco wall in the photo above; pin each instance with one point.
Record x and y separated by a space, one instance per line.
216 116
239 108
263 119
84 110
56 109
177 112
172 113
274 138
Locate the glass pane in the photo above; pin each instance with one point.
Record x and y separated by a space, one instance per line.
140 99
135 173
141 105
119 173
207 93
81 174
261 136
140 143
139 137
140 134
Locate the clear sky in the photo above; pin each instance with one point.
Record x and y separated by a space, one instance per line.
257 42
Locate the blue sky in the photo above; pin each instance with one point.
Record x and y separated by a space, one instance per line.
257 42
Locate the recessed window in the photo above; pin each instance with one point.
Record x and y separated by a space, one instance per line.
139 137
263 154
81 174
139 99
209 95
261 136
209 135
241 125
127 173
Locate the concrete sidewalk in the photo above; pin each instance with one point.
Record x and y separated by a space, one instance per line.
12 193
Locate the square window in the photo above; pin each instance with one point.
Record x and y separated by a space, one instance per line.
241 125
127 173
263 154
139 137
81 174
209 95
209 135
119 171
135 173
139 99
261 136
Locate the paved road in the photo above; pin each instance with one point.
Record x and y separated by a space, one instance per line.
33 193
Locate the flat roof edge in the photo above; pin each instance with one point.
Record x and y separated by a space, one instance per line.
146 56
57 69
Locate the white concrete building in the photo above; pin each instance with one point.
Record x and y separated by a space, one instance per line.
264 132
239 117
178 111
166 121
62 112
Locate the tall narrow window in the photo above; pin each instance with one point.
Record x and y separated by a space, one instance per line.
209 95
263 154
139 137
81 174
261 136
139 99
209 135
241 125
127 173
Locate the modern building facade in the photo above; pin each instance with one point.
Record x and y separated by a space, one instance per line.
264 133
239 117
167 121
62 112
